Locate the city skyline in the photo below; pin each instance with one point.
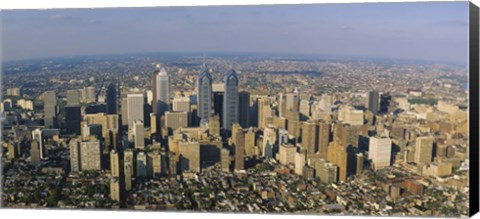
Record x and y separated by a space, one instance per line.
419 31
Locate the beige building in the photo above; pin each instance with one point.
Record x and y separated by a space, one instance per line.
114 164
175 120
423 149
286 154
189 156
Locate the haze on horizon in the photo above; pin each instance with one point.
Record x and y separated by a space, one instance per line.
432 31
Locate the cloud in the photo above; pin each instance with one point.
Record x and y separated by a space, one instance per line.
60 17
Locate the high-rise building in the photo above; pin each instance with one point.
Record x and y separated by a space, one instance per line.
385 103
89 95
230 100
204 94
175 120
359 165
310 137
351 116
238 139
115 191
269 144
124 111
324 131
90 155
73 116
111 99
214 125
189 156
327 172
128 168
250 142
135 103
423 149
51 109
37 135
300 160
305 108
141 164
73 97
114 164
34 153
154 161
225 159
244 108
373 102
139 134
264 111
218 104
161 91
379 151
181 104
337 154
286 154
109 124
74 155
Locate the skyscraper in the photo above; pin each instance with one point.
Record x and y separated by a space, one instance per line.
139 134
230 100
73 117
379 151
73 97
337 154
244 108
373 101
111 99
128 168
161 91
423 149
238 139
34 153
135 108
175 120
204 94
114 163
89 95
310 137
324 131
50 108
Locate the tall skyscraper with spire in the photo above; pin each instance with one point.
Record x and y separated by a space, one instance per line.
230 100
204 94
161 91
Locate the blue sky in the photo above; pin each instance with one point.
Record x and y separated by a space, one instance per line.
425 31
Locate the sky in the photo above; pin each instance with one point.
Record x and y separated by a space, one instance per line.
433 31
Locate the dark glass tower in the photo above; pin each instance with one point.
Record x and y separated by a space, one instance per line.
111 99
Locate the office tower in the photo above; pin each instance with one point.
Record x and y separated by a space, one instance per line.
73 97
110 127
379 151
141 165
204 94
244 107
337 154
124 111
114 163
310 137
327 172
286 154
161 91
92 129
225 159
348 135
373 102
181 104
128 168
73 117
111 99
50 109
280 122
175 120
359 165
34 153
305 108
135 108
139 134
238 139
89 95
189 156
115 189
292 101
423 149
351 116
269 142
214 125
250 142
324 131
172 163
154 161
264 111
218 104
300 160
282 136
385 103
153 124
37 135
90 155
75 155
230 100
